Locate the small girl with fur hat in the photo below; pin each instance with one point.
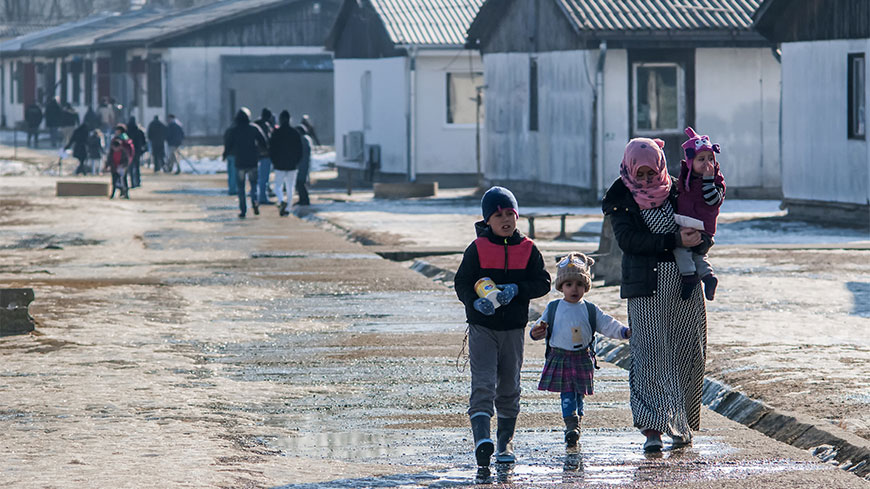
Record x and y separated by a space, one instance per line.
569 324
702 189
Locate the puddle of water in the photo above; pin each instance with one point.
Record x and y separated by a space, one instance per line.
606 457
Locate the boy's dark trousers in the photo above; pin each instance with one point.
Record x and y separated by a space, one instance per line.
496 358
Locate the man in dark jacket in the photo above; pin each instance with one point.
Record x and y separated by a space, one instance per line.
79 142
231 161
92 119
304 166
53 119
157 137
285 149
174 138
33 118
137 135
246 142
267 126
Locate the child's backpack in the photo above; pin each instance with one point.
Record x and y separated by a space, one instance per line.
551 318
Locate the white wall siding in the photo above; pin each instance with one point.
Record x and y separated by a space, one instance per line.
560 151
737 104
442 147
388 108
616 109
819 161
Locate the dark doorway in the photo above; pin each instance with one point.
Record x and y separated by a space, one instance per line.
662 98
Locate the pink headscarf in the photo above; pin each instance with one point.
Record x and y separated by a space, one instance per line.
649 192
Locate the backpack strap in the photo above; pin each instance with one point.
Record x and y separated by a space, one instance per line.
551 318
591 310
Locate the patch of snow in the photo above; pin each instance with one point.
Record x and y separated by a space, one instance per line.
9 168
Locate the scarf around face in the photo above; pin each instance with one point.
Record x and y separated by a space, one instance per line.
648 192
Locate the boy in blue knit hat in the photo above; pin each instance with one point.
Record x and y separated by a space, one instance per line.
496 334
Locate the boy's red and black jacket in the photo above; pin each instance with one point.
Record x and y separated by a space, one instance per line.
512 260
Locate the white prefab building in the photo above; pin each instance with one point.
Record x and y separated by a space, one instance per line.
826 158
569 82
199 64
406 106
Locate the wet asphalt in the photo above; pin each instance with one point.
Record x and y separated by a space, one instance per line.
179 346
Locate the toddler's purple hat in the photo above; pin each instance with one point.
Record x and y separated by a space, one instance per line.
697 143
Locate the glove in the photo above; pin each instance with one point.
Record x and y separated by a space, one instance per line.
484 306
507 294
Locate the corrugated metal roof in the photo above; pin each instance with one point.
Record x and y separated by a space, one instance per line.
659 15
132 27
427 22
88 35
186 20
24 41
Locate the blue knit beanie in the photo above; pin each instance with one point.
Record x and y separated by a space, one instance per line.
497 198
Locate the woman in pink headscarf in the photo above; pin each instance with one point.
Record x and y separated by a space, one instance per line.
669 335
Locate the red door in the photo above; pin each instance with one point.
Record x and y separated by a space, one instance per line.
103 79
28 82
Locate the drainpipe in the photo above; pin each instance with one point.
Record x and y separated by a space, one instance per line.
599 119
412 110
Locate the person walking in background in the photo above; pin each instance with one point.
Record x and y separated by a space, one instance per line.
157 138
69 120
137 135
285 149
265 164
669 334
304 167
174 138
78 140
231 161
246 143
119 157
92 119
33 118
309 128
96 148
107 117
53 120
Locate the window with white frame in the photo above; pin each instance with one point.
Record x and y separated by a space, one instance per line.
856 97
658 98
462 98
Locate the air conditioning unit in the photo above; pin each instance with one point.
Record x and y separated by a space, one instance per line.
353 146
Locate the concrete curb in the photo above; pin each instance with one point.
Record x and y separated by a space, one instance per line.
830 444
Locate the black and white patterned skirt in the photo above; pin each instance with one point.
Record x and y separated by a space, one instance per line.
668 348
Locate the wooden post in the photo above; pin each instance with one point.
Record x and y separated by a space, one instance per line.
531 226
562 234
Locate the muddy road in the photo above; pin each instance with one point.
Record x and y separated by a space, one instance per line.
178 346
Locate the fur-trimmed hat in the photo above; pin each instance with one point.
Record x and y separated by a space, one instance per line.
574 266
496 199
697 143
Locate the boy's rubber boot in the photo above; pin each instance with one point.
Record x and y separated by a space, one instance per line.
483 446
572 431
504 435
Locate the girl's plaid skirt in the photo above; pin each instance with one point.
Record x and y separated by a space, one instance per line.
568 371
